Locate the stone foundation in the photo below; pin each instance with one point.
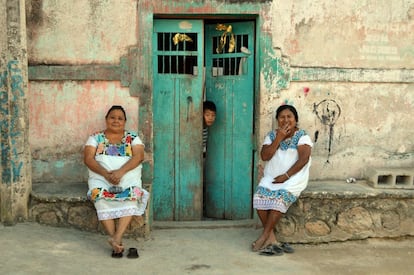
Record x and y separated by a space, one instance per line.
326 212
66 205
337 211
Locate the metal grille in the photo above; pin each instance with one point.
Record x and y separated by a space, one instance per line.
180 58
226 63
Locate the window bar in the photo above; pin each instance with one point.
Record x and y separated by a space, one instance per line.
163 49
184 58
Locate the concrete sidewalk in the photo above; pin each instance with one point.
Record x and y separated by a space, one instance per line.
30 248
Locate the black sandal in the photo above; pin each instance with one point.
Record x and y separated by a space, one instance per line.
286 248
117 254
132 253
271 250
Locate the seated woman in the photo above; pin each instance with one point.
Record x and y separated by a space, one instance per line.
113 157
287 151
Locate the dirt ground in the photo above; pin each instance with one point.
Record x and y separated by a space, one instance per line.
30 248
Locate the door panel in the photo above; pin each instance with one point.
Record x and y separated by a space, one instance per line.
230 85
177 109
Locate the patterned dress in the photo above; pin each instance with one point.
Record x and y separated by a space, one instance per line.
132 200
270 196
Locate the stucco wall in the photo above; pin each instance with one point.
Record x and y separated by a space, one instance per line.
64 113
372 127
371 130
80 32
350 34
3 34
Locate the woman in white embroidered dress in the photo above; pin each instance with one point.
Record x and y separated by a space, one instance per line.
287 151
113 157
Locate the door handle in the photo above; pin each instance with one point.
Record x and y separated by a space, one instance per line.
189 102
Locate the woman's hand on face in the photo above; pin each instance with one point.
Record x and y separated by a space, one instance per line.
284 131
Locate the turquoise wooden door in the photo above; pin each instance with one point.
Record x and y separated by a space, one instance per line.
177 117
230 85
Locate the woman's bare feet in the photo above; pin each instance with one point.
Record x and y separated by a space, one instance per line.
263 242
258 244
116 247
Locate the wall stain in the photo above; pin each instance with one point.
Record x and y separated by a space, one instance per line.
328 112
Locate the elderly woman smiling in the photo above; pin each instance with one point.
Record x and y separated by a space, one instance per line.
287 151
113 157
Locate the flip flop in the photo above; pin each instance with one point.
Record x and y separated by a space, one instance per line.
132 253
116 254
271 250
286 248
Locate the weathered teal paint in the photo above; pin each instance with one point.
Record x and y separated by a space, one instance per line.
276 69
11 94
229 161
177 108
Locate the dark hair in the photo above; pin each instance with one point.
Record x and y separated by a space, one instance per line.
209 105
290 107
116 107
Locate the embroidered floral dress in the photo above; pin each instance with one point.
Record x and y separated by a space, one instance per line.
133 199
280 196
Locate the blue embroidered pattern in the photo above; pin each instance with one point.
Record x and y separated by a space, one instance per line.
287 197
290 142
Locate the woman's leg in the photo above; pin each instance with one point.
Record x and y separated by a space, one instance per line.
109 226
269 218
123 223
263 216
272 219
259 243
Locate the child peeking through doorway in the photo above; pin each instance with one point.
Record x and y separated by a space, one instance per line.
209 116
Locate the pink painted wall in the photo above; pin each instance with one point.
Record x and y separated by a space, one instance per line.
62 115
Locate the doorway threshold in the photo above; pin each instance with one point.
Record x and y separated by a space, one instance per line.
204 224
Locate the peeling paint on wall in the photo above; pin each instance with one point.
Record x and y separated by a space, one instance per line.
275 66
9 123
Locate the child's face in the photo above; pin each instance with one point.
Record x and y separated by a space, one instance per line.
209 117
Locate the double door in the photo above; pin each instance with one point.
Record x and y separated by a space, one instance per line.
193 61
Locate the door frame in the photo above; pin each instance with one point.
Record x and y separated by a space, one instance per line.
256 81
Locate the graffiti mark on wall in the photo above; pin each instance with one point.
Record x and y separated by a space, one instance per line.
328 112
10 80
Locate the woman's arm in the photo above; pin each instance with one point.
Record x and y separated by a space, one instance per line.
268 150
136 159
92 164
304 152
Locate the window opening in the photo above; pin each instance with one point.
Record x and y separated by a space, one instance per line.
176 58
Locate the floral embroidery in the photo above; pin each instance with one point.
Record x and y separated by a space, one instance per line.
121 149
132 193
290 142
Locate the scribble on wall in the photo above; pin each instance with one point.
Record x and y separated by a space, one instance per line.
328 112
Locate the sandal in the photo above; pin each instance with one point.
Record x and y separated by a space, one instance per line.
286 248
132 253
116 254
271 250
